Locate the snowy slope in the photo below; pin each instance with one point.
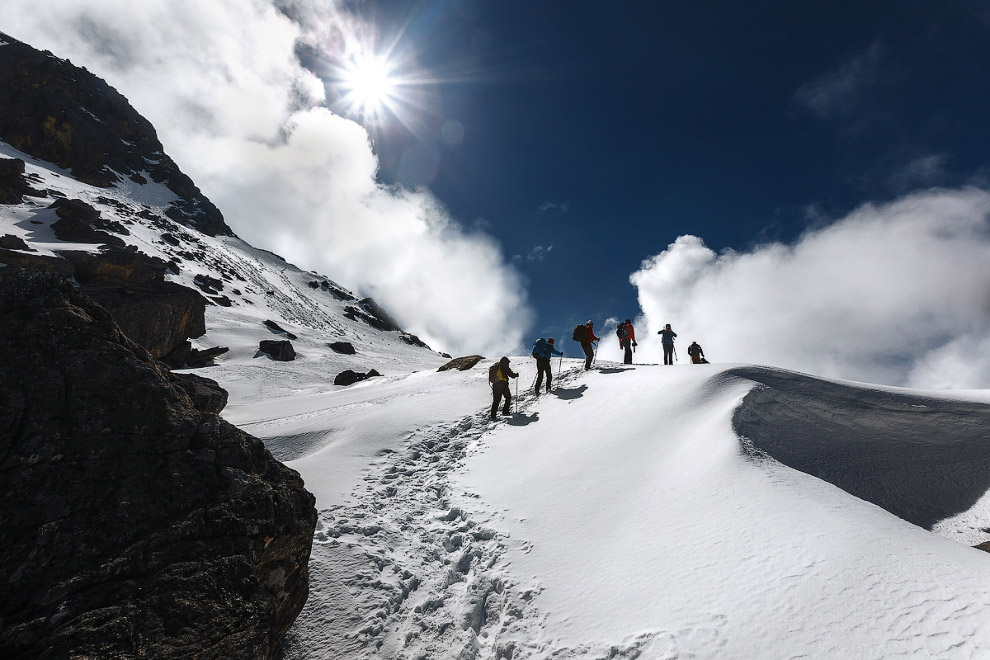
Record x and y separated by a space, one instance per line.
259 286
623 516
651 512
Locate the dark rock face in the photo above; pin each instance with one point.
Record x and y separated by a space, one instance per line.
13 185
462 363
280 350
81 223
156 314
372 314
65 115
184 355
11 242
36 262
134 524
342 347
348 377
207 395
413 340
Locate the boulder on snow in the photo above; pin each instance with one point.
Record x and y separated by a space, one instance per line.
11 242
134 523
206 394
81 223
278 349
462 363
342 347
278 330
348 377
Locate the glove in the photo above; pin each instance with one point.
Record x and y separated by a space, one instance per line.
635 344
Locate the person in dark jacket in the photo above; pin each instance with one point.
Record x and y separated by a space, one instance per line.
500 387
587 338
627 341
697 353
543 351
667 339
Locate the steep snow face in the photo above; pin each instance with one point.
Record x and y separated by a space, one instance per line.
245 285
624 516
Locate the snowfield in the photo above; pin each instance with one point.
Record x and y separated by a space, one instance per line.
623 516
715 511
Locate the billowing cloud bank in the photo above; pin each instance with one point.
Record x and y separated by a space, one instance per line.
233 106
896 293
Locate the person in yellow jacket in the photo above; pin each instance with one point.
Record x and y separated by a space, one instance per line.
499 375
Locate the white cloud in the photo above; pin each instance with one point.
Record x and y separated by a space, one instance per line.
897 293
241 116
538 253
553 208
836 92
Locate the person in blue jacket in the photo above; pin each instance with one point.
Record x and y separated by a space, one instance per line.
543 351
667 339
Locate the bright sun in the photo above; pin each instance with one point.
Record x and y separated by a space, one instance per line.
369 84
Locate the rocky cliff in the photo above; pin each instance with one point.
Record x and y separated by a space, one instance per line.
137 523
65 115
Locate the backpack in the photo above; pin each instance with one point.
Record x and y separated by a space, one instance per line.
579 332
620 331
493 374
539 347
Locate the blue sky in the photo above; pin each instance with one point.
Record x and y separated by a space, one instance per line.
608 129
804 185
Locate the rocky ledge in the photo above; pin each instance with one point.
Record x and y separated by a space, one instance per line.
135 524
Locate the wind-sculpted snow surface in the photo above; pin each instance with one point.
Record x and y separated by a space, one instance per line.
922 458
623 516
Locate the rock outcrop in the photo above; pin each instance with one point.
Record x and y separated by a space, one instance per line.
462 363
342 347
156 314
348 377
13 185
136 522
65 115
278 349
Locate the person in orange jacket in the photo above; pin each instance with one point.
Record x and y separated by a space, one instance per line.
627 339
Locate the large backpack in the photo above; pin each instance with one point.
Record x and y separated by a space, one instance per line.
579 332
539 347
493 374
621 331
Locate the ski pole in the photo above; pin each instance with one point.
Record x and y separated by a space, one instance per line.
674 348
595 359
515 408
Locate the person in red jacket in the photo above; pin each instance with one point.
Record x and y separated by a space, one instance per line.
627 339
589 336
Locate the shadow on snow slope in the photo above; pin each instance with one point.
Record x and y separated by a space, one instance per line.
921 458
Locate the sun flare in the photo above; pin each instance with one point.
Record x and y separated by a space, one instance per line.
369 84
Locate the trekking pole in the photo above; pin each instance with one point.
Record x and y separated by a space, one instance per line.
515 408
674 348
595 359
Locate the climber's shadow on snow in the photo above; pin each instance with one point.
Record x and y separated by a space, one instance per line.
568 393
613 370
520 419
